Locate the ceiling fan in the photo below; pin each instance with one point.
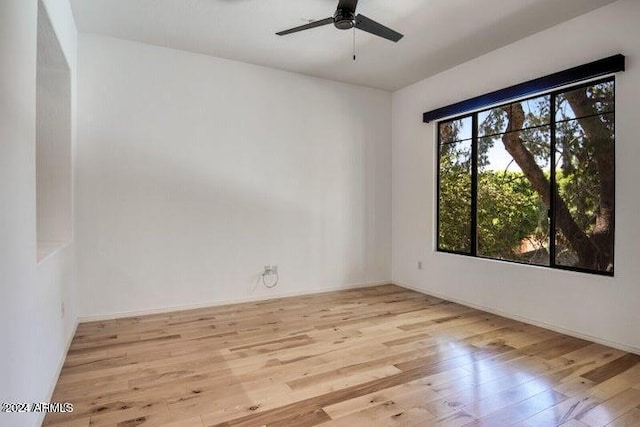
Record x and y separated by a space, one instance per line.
345 18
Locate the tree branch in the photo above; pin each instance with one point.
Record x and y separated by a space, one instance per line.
600 136
514 145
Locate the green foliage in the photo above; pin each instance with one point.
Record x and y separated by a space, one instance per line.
455 197
509 211
578 176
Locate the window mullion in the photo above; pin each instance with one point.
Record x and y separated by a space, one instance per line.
552 179
439 148
474 184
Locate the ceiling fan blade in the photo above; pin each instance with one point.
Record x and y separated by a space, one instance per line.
348 5
370 26
308 26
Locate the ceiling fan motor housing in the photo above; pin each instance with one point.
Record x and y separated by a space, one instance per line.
344 19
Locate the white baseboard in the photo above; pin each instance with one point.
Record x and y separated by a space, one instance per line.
576 334
135 313
52 387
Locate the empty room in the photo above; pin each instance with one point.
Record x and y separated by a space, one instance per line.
319 212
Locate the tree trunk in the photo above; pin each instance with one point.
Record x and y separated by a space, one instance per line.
583 245
600 138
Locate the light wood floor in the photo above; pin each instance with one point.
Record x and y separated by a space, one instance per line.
367 357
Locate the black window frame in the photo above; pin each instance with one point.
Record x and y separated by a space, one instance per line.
552 179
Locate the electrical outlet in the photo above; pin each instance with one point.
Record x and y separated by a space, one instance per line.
419 265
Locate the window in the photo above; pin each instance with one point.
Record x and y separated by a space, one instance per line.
532 181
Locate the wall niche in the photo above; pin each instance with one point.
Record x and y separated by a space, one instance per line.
53 142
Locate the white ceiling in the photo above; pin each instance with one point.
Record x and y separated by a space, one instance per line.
439 34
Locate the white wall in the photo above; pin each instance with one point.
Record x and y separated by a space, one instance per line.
53 142
34 332
194 172
600 307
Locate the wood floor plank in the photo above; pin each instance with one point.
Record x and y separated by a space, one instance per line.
611 409
373 356
580 404
521 410
423 388
628 419
612 368
388 413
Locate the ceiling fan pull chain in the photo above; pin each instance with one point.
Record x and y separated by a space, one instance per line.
354 43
